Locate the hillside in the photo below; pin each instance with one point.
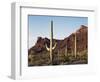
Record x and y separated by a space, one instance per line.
64 51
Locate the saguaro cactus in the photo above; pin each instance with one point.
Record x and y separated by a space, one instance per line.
51 42
75 45
66 51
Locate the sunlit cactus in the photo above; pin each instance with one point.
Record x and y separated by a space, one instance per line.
51 43
58 55
75 46
66 51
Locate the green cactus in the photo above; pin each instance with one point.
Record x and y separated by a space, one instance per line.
51 43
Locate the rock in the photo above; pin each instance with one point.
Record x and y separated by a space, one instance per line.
81 43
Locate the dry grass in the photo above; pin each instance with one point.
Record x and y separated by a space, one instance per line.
43 59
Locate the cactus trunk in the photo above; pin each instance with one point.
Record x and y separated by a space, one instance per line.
66 51
75 46
51 40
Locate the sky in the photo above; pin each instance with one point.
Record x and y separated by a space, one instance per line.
63 26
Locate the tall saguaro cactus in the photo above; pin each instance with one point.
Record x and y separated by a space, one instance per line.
51 42
66 51
75 45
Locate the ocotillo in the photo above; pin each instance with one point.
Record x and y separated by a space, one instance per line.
51 42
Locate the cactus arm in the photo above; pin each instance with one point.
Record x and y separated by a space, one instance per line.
48 49
54 46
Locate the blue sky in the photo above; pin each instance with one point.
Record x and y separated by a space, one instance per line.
63 26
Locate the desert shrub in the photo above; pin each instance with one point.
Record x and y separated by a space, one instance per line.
67 59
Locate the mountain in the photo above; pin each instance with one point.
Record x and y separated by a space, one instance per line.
39 49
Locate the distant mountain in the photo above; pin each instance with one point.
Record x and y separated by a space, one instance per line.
67 43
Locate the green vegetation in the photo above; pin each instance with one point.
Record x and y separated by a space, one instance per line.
43 59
